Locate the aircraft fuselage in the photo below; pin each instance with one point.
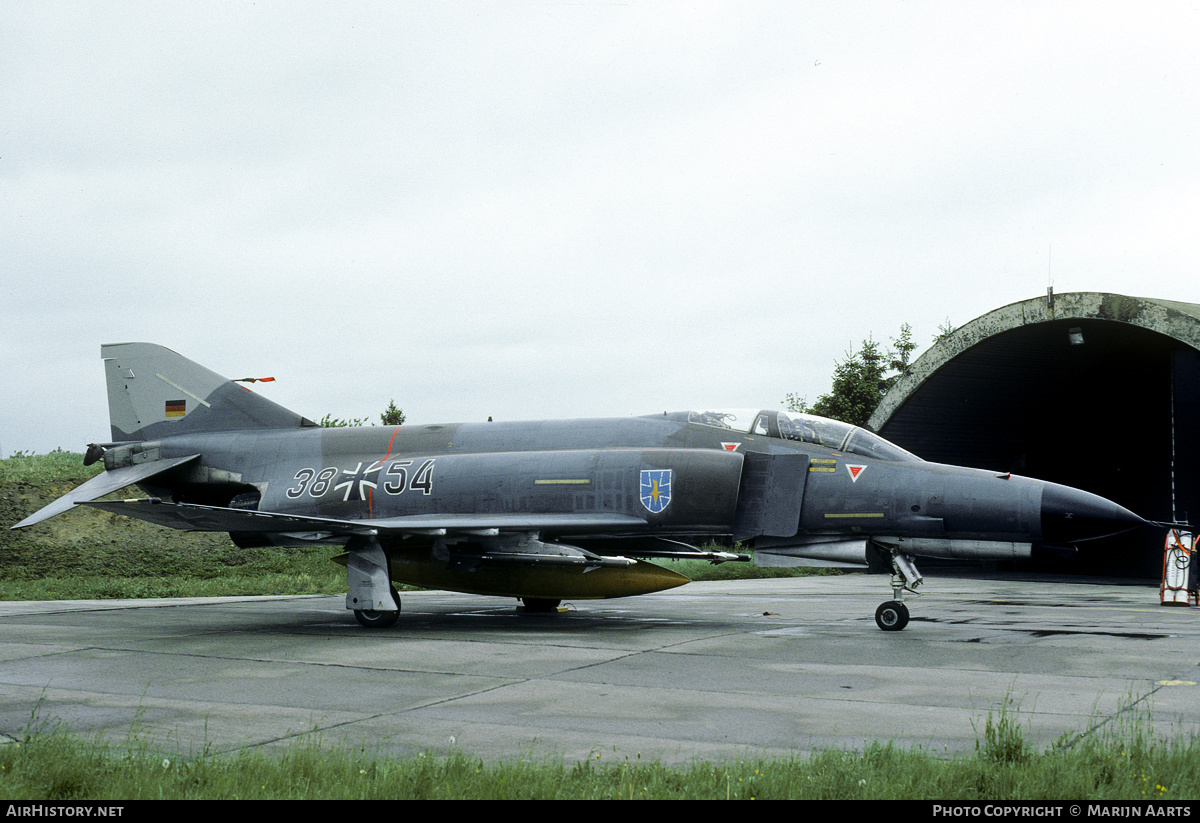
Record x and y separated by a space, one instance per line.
551 509
669 477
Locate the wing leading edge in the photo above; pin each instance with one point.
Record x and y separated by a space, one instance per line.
194 517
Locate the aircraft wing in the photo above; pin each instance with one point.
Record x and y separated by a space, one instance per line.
102 484
193 517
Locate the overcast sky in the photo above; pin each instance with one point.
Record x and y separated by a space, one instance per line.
531 210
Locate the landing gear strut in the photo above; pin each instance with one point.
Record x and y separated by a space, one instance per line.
892 616
372 597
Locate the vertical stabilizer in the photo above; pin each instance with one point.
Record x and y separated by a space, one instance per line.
154 392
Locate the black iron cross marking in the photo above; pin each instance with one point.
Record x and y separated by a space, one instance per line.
356 487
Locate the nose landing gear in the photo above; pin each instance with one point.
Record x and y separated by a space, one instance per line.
892 616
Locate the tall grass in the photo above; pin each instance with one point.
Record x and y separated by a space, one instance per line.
123 571
49 762
57 466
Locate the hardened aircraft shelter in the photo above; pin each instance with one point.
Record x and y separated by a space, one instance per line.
1097 391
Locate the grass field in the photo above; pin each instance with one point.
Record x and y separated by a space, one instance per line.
48 762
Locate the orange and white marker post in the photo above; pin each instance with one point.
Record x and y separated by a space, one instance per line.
1178 557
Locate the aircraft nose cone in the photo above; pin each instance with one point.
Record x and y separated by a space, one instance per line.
1071 515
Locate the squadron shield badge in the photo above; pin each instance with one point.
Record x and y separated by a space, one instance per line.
656 489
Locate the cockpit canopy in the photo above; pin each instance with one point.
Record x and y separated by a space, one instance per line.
806 428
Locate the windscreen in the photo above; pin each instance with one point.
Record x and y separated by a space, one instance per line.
805 428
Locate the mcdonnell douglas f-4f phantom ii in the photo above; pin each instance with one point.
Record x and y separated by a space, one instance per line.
549 510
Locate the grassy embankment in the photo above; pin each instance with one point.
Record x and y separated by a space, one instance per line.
89 554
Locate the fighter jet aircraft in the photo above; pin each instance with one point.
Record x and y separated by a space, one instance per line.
549 510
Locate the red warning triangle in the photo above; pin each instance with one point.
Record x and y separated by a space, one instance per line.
730 447
855 471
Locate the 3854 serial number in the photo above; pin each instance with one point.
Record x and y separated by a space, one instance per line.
397 476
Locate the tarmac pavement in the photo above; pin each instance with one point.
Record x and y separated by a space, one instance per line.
709 670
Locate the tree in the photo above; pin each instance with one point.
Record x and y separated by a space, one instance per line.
860 381
901 353
331 422
392 416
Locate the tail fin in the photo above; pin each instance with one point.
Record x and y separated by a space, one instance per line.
154 392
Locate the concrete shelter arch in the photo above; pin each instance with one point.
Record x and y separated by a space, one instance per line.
1097 391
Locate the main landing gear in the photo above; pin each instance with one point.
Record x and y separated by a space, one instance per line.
369 577
371 619
892 616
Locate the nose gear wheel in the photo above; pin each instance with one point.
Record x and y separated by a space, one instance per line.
892 616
